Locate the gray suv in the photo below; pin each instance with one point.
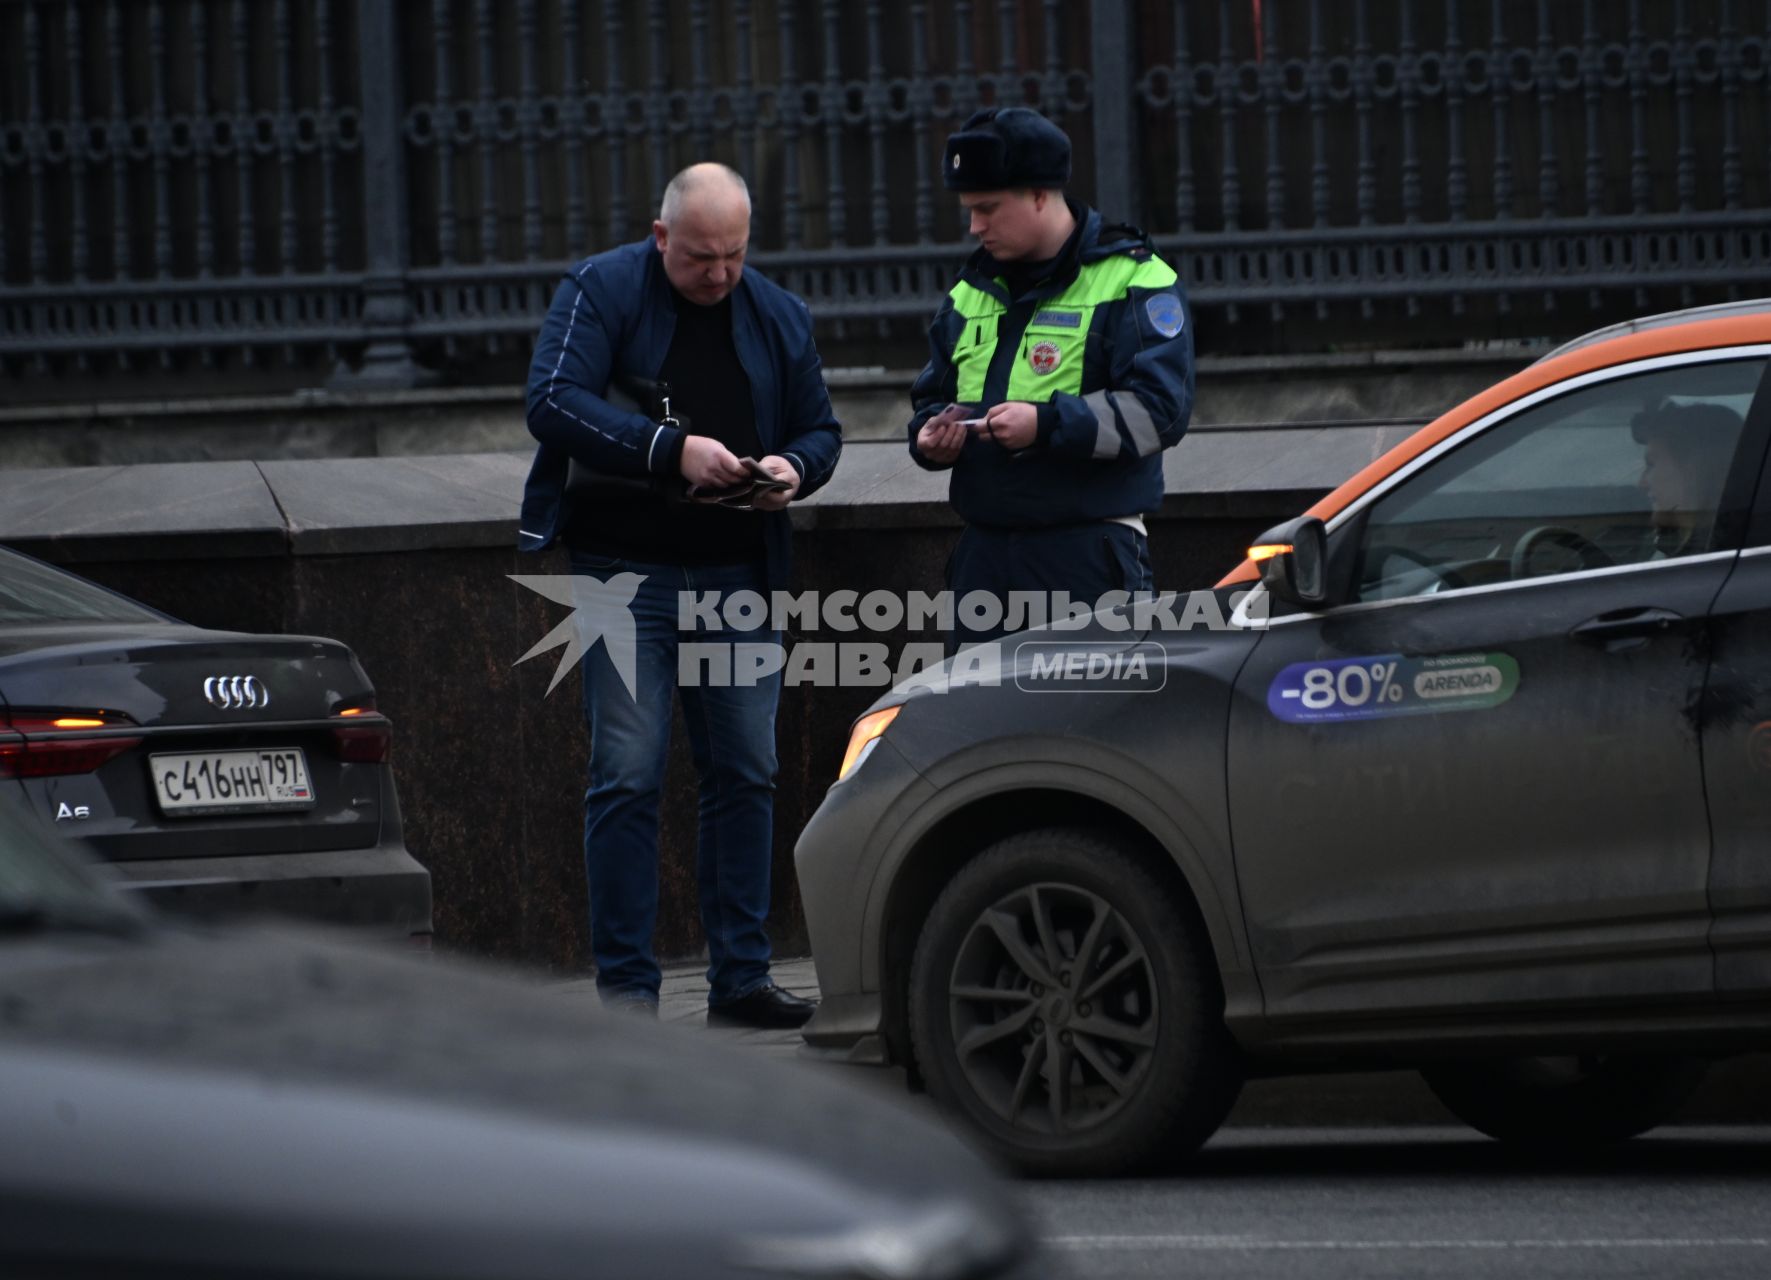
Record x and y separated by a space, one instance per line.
1475 778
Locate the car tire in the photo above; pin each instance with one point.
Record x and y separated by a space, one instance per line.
998 999
1566 1102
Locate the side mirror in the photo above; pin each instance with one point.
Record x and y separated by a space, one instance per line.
1294 561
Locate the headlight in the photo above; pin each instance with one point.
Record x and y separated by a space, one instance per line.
866 732
945 1242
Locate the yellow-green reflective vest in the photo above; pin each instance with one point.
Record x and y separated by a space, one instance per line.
1050 358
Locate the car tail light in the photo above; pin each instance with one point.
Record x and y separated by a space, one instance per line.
43 744
360 733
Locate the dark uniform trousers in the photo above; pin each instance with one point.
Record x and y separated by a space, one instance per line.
1086 561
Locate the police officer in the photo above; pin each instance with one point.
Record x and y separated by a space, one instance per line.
1060 367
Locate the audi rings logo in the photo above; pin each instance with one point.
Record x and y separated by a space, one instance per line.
236 693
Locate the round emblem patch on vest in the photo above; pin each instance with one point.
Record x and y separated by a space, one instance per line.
1044 356
1165 313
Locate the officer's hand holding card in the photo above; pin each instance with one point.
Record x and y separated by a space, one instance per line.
943 436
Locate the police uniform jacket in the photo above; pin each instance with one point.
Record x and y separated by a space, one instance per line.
1103 347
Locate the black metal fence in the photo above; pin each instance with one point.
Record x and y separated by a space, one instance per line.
367 186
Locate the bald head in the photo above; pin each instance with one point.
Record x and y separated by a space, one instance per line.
704 187
703 230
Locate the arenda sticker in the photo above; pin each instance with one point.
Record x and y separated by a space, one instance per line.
1391 685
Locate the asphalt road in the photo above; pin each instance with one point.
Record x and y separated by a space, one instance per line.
1408 1200
1318 1204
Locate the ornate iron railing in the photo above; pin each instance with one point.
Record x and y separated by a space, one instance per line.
371 185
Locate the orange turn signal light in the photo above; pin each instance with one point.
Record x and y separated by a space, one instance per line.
866 729
1267 550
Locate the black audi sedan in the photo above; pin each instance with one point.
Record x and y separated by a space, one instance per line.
1465 770
184 1099
216 772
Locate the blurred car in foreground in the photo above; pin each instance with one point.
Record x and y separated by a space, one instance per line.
218 772
1476 779
178 1101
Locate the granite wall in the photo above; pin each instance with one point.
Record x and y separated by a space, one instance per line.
210 426
406 560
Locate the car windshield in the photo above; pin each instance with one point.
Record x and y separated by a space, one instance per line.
44 887
31 592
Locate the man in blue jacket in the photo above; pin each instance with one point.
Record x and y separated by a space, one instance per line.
1060 367
746 383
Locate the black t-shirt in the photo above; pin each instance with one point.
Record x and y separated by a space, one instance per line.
710 391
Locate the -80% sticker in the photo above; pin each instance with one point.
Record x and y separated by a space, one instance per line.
1350 686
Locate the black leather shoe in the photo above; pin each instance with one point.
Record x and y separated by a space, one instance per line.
768 1006
634 1006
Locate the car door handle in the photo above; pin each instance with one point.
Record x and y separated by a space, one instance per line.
1626 624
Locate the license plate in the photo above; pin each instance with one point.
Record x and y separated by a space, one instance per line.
275 778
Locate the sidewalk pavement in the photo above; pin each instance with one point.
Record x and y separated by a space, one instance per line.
1733 1093
682 999
1390 1098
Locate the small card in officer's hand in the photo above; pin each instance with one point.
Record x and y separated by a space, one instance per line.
956 414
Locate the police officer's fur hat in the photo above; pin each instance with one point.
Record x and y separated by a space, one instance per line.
1004 147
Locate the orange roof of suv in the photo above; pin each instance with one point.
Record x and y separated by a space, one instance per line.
1724 325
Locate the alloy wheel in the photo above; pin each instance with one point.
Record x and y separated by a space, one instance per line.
1054 1009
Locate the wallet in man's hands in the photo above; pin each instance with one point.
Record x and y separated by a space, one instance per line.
744 492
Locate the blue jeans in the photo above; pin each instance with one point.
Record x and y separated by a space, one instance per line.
732 740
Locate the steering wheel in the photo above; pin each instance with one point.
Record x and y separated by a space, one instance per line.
1591 555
